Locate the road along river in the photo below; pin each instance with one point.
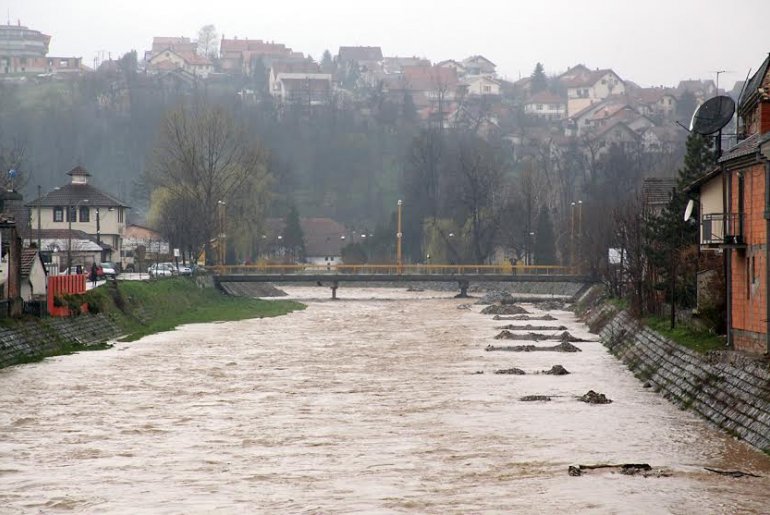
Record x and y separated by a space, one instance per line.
367 404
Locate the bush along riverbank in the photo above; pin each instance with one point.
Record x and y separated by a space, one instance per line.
728 389
128 310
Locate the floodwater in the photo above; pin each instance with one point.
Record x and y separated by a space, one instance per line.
367 404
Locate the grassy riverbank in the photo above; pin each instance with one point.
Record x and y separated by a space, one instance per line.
140 308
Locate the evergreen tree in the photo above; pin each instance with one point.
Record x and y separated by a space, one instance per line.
545 245
293 238
327 62
672 249
539 80
409 110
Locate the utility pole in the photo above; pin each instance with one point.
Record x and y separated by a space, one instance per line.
399 236
39 197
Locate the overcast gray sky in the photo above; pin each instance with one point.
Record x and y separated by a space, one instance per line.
651 42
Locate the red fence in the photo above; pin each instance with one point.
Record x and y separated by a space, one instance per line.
60 285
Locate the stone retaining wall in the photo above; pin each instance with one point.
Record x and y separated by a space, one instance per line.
730 391
51 336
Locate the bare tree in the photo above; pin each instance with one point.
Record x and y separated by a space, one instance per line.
208 41
204 157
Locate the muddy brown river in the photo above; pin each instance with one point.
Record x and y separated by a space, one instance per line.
369 404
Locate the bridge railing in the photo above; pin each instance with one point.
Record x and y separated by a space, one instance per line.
392 269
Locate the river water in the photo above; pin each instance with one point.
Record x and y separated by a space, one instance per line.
368 404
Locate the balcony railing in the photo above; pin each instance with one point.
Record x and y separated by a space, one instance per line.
722 229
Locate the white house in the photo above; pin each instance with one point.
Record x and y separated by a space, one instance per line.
79 206
546 105
482 86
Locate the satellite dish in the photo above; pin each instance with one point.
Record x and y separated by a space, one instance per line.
688 209
712 115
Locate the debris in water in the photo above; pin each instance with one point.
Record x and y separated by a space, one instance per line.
530 327
556 370
464 306
504 309
513 371
507 335
591 397
562 347
526 317
731 473
496 297
567 337
529 398
629 469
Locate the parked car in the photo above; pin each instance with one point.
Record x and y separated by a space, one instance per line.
107 270
162 270
184 269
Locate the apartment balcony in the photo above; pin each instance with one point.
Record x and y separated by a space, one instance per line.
723 230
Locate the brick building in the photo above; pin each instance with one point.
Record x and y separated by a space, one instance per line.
746 221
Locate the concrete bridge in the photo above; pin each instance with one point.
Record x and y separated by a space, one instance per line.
333 275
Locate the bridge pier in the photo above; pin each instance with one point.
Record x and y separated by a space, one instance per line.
463 284
334 287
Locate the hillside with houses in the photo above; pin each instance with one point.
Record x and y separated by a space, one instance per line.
344 137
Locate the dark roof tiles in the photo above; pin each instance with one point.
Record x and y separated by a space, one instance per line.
71 194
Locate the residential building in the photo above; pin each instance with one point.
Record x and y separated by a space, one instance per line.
481 85
300 83
657 102
142 245
546 106
742 228
24 51
79 206
33 275
172 59
479 65
242 55
702 89
324 239
586 87
367 57
396 65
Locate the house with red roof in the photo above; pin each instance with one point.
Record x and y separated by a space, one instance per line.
241 55
171 59
586 87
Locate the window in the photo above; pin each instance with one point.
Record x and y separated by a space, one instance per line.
58 214
85 214
539 107
71 214
120 215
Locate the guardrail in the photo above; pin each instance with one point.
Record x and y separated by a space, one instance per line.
392 269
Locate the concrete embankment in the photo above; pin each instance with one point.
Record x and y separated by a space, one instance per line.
730 390
36 339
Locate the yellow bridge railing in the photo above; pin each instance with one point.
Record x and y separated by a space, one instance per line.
393 269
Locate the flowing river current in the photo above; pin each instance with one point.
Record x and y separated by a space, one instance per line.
372 403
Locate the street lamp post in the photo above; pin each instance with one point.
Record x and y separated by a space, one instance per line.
399 236
222 242
72 212
580 232
572 235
